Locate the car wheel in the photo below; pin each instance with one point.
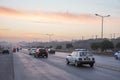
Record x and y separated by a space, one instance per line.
67 62
76 64
91 65
116 57
34 55
46 56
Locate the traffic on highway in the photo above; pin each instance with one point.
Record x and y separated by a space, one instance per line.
40 64
27 67
59 39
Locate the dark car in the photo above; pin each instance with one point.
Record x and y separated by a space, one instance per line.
51 51
41 52
5 51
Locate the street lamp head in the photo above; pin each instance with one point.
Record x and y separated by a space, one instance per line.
96 14
108 15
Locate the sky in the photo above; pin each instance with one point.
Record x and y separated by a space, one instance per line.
44 20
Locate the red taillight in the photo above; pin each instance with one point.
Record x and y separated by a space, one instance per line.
47 51
37 52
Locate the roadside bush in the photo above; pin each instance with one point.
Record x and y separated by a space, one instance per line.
95 46
69 45
118 45
106 44
59 47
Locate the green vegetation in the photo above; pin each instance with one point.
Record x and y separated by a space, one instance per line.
95 46
69 45
59 47
104 45
118 45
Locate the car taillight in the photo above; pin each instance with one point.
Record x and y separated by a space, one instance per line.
47 51
37 52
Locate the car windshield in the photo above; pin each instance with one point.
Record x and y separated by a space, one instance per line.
33 49
42 50
85 54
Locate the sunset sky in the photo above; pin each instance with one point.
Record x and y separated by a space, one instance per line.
31 20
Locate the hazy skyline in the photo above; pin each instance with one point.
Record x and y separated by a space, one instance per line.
65 19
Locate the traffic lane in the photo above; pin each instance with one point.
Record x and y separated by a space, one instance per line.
107 60
84 72
28 68
100 60
6 67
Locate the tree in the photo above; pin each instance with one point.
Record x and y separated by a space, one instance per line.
106 44
95 46
69 45
50 46
118 45
59 47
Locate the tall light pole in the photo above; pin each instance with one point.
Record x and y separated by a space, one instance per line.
50 35
102 23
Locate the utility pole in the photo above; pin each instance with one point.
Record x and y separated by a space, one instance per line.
96 36
102 17
82 37
49 35
110 36
114 35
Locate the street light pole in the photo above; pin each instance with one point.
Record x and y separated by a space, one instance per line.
49 35
102 23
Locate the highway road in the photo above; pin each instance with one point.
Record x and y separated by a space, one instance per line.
26 67
101 61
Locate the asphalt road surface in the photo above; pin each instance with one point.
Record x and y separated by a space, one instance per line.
6 67
26 67
101 61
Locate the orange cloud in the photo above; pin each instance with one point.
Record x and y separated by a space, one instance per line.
47 17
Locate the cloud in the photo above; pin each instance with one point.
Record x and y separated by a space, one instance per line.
4 29
47 17
9 12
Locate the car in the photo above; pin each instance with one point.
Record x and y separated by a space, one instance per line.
32 51
41 52
117 55
5 51
79 57
51 50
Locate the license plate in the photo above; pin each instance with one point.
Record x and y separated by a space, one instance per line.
87 58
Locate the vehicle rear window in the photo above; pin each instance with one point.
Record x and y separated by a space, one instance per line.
42 50
85 54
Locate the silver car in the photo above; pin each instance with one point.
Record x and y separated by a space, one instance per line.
79 57
32 51
117 55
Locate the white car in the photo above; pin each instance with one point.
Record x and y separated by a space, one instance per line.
117 55
79 57
32 51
